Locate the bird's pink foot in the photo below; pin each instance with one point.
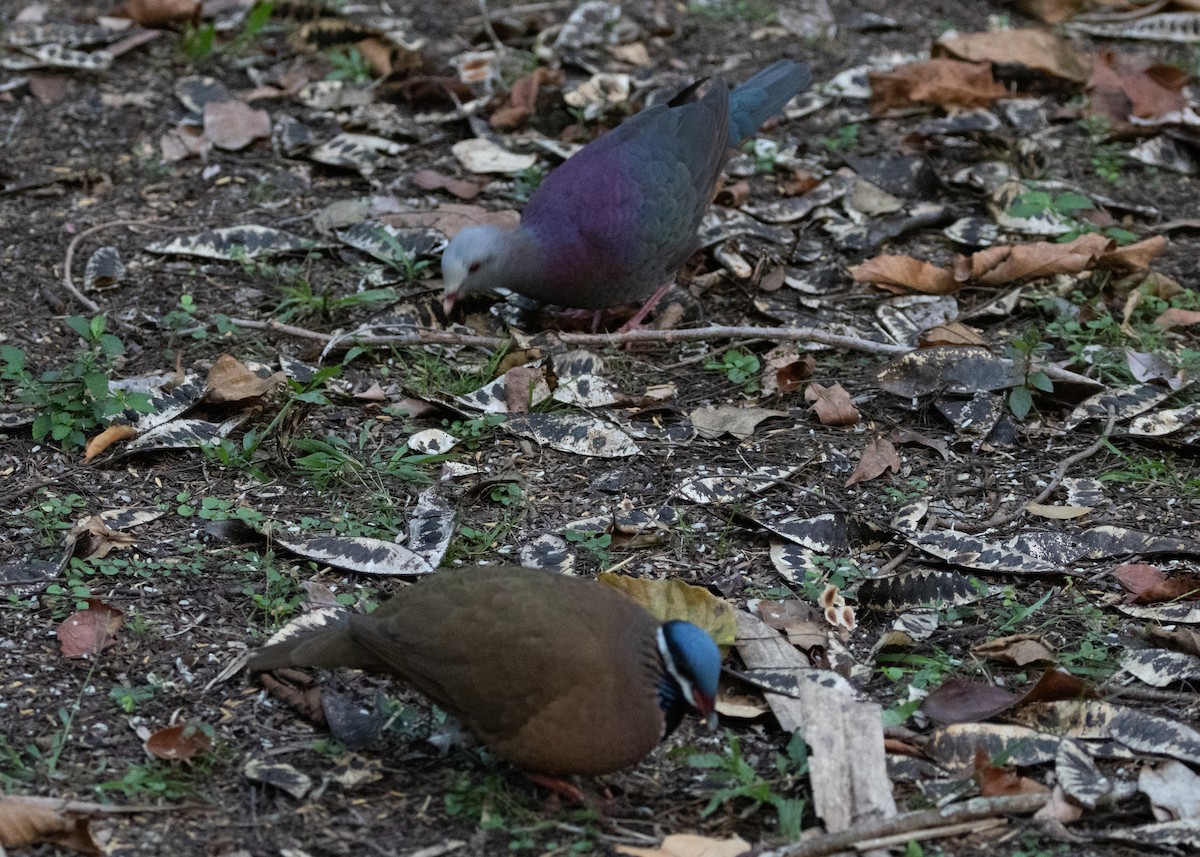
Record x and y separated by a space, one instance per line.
651 303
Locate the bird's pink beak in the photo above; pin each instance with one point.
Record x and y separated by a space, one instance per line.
706 705
448 303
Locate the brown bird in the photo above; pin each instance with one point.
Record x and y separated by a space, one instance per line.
557 675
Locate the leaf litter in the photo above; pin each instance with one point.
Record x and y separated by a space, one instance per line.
591 447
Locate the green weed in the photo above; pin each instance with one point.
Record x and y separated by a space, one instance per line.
597 544
349 65
742 782
741 367
845 139
1067 206
77 399
1024 350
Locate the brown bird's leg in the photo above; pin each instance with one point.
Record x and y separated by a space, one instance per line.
652 302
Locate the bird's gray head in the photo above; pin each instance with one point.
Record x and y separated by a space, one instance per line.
473 262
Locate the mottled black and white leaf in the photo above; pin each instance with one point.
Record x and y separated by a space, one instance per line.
234 243
1108 540
182 434
578 434
1125 402
431 526
787 682
432 442
104 269
1161 667
281 776
954 746
971 551
833 533
372 237
1079 775
730 487
947 369
547 551
796 563
1159 736
357 553
920 588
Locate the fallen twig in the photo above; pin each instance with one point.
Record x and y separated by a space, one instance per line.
999 520
910 822
445 337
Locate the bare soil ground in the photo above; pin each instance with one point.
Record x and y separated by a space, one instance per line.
86 153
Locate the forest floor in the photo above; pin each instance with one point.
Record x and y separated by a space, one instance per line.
857 463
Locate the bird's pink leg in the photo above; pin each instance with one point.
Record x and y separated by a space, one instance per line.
635 322
559 786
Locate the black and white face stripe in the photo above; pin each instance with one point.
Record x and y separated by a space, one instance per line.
687 691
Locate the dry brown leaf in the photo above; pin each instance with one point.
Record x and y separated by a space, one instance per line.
1051 11
740 422
832 405
520 382
1181 639
1176 317
801 622
452 217
798 182
428 179
1037 49
91 631
896 273
381 55
1134 257
183 141
1057 513
1123 86
959 700
1177 588
298 689
233 125
878 457
179 743
998 266
159 13
730 703
733 195
944 82
26 821
522 99
1059 808
1018 649
95 540
374 393
785 369
48 88
1136 577
230 381
113 434
690 845
674 599
995 781
952 333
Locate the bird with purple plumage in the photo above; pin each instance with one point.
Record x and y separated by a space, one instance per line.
611 226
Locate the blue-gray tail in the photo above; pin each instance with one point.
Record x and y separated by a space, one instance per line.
762 96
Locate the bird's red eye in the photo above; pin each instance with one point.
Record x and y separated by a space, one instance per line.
475 266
